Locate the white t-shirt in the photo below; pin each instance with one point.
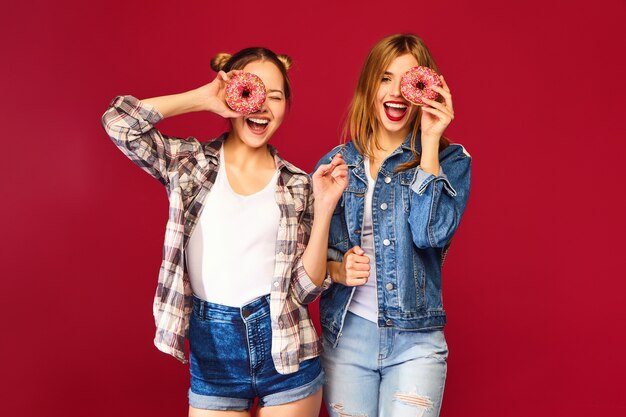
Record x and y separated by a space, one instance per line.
365 300
231 252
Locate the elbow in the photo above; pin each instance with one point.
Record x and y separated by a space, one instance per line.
306 296
106 119
308 299
440 234
110 121
303 288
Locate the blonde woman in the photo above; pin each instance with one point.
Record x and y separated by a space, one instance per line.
243 256
382 319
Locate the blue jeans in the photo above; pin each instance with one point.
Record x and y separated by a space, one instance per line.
384 372
231 362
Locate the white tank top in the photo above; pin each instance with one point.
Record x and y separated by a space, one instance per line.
365 300
231 252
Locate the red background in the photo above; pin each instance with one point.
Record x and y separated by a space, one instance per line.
534 285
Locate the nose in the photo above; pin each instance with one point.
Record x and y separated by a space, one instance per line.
394 91
263 108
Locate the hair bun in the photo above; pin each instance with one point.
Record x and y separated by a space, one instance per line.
219 61
286 60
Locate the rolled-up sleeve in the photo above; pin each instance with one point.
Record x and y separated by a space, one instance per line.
438 202
129 123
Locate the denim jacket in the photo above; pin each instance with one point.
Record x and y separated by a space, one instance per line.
414 216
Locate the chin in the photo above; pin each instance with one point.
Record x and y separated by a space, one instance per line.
255 141
395 127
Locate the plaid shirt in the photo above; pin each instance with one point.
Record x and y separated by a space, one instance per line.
188 168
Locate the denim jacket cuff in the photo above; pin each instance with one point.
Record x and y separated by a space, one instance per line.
334 255
423 179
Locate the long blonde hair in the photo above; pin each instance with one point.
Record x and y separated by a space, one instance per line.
362 121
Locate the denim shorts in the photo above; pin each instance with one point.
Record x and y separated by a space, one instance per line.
231 362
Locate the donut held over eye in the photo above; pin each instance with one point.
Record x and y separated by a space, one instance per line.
416 84
245 93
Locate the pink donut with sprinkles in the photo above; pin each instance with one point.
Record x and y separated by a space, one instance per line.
245 93
416 84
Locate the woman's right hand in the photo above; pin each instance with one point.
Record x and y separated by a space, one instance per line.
354 270
215 95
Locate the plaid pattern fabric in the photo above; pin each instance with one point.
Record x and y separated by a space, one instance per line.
188 168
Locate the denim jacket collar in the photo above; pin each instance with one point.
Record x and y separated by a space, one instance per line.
353 158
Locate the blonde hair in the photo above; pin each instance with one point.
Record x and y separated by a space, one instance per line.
362 121
226 62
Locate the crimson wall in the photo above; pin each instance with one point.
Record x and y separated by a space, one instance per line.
534 284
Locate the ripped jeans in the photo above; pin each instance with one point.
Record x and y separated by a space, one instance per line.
384 372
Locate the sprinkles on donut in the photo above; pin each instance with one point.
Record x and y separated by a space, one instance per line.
245 93
416 84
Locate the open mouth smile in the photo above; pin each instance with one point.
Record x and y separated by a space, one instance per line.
257 125
395 110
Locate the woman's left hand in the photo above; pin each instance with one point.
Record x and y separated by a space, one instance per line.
436 116
329 181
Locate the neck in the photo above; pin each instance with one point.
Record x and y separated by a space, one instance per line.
389 141
237 153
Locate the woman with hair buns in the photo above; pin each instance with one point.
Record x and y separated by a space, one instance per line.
242 256
382 319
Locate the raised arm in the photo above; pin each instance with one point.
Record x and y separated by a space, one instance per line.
438 201
129 122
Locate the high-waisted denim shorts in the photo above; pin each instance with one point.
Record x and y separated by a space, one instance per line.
231 362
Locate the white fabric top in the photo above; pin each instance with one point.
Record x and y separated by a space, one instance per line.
231 252
365 300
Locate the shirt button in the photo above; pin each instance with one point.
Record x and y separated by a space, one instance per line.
383 206
389 286
387 180
388 322
357 232
276 284
386 242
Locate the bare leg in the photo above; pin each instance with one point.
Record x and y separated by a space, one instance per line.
197 412
306 407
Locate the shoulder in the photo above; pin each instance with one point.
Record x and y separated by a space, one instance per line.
330 154
454 151
292 176
295 171
456 161
347 150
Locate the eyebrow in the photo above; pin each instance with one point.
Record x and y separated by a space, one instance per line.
276 91
388 73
